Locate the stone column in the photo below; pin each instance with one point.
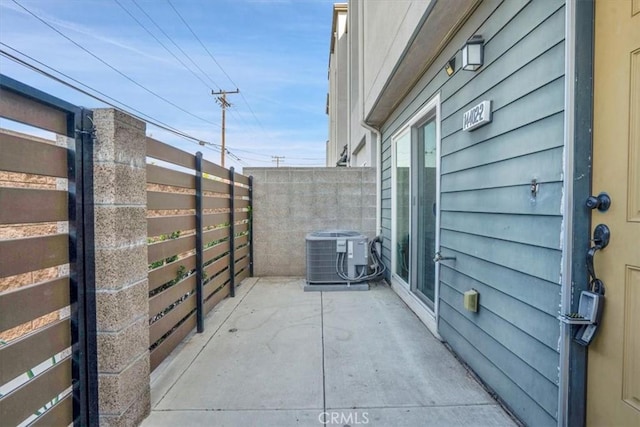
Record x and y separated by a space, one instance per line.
121 268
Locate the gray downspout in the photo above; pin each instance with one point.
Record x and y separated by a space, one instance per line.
378 174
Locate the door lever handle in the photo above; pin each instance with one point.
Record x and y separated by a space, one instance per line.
439 257
601 237
590 255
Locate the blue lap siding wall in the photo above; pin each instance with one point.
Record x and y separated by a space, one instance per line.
507 243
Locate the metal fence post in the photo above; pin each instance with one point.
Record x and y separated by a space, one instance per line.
232 233
251 226
199 246
82 270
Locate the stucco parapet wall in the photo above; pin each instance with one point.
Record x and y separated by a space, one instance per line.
302 174
291 202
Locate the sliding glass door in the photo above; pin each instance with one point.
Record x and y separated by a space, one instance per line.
415 204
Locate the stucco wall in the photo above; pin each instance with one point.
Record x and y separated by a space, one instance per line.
288 203
388 27
338 87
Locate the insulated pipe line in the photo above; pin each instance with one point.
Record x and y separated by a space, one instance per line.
375 266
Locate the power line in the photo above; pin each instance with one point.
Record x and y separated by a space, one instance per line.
200 41
146 118
114 102
129 109
215 61
140 116
162 44
174 43
111 66
36 69
267 155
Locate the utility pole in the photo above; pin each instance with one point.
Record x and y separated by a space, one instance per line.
277 160
221 99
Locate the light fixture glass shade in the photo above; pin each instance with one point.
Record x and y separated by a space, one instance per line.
473 53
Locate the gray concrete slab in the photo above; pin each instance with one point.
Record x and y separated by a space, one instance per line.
172 368
267 355
436 416
278 356
261 418
378 354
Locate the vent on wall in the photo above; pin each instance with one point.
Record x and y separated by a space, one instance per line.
322 254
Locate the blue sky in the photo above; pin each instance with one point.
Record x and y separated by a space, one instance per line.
275 51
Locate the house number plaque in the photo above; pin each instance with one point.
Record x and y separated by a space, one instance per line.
477 116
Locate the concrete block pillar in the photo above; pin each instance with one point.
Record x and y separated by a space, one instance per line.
121 268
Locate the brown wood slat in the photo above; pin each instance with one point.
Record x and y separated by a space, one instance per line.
159 225
240 204
215 203
25 205
241 276
242 263
18 405
171 319
161 151
215 251
164 176
60 414
215 186
242 240
242 252
34 301
33 253
217 266
219 280
241 178
168 272
241 216
241 191
157 200
20 355
25 155
215 299
212 220
215 234
170 247
160 301
215 170
241 228
166 347
25 110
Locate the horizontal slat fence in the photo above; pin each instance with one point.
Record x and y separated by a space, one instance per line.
35 329
199 234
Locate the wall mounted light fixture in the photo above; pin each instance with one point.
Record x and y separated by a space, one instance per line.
450 68
473 53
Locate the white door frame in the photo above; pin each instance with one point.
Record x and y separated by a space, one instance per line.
428 316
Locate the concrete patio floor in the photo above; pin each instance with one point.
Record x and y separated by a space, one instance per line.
277 356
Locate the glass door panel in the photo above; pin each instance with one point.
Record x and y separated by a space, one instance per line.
403 204
426 211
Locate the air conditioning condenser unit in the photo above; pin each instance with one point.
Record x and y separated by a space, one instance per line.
337 260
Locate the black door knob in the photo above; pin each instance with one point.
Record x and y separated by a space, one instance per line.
602 202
